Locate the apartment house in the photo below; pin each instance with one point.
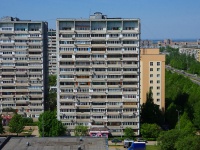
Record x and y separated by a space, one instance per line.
152 68
52 51
23 66
191 52
98 72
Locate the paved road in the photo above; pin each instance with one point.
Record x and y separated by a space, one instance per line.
194 78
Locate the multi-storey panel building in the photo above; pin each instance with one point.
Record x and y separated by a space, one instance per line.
152 69
98 72
23 66
52 51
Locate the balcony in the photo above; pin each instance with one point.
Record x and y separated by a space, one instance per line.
67 107
82 113
98 106
115 106
135 31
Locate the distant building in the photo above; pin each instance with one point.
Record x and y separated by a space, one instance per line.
146 44
152 68
52 51
98 72
191 52
23 66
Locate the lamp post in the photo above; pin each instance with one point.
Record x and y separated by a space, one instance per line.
178 119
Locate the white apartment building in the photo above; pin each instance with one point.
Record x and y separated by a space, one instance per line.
52 51
23 66
98 79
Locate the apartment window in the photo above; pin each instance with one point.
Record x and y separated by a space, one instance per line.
158 63
158 81
151 63
158 75
158 87
151 81
158 94
158 69
158 100
151 75
151 69
151 87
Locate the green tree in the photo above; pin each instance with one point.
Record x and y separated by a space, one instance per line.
197 115
52 80
190 142
16 124
81 130
129 133
150 130
49 125
150 112
2 130
52 100
167 139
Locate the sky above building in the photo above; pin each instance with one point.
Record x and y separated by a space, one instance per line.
174 19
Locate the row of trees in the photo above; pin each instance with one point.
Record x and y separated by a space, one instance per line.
181 61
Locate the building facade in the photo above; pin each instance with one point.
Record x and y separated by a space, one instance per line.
98 72
52 51
23 66
152 68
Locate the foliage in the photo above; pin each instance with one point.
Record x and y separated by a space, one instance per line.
27 121
182 61
81 130
16 124
186 126
197 115
2 130
52 100
129 133
52 80
150 130
167 139
190 142
49 125
183 95
150 112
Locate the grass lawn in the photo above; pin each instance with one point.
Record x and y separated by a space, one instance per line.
152 147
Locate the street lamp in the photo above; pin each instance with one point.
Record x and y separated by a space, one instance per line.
178 119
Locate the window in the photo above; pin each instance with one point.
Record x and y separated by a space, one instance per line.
151 87
151 63
158 69
158 63
151 81
158 81
158 75
151 69
151 75
158 100
158 94
158 87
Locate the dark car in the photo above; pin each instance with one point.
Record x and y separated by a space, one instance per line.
141 140
116 141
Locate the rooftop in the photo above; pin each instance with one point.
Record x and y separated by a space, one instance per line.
56 143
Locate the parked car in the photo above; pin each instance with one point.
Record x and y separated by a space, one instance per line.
141 140
116 141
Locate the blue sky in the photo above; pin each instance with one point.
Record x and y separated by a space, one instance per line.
160 19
